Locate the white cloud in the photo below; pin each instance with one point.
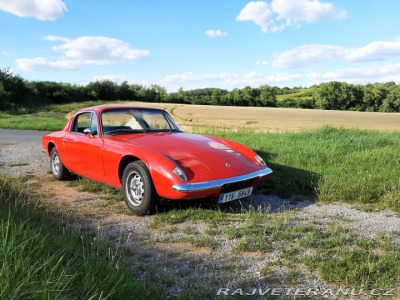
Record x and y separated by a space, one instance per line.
197 77
85 50
254 79
253 74
308 11
45 10
380 73
115 78
306 55
262 62
311 54
215 33
225 80
98 50
287 12
259 13
379 50
45 64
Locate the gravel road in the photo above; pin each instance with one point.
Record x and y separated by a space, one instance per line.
21 152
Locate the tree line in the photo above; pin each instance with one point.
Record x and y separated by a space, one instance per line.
17 93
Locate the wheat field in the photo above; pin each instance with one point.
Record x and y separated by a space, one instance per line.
268 119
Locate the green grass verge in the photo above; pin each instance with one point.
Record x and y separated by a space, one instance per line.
347 165
47 118
32 122
41 259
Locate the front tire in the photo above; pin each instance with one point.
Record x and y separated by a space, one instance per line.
138 189
57 168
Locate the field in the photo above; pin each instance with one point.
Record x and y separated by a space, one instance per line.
201 117
266 119
337 225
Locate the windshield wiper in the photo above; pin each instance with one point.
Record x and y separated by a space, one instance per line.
160 130
122 131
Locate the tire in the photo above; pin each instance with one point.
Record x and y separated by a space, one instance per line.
57 168
138 189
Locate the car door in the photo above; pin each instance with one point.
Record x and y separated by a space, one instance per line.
84 150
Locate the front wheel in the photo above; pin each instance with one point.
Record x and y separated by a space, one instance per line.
58 169
138 189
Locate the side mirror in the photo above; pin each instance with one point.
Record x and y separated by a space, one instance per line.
88 131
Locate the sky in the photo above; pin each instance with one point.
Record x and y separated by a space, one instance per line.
197 44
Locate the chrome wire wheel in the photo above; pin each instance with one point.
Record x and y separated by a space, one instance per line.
55 163
135 188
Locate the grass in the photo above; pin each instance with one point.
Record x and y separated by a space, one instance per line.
202 242
46 118
42 259
296 95
104 191
31 122
332 164
356 268
191 214
338 255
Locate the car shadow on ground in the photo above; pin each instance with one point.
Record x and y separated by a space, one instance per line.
287 188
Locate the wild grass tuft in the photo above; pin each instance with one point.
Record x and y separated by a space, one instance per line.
333 164
41 259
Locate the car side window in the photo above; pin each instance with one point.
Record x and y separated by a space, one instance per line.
81 122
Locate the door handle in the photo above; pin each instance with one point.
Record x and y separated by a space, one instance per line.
64 141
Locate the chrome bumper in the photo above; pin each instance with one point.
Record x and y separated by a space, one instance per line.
212 184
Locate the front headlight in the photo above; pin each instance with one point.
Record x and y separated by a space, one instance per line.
181 175
260 160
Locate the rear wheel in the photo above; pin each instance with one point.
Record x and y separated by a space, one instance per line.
138 189
58 169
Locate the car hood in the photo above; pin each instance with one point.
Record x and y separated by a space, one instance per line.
175 145
199 155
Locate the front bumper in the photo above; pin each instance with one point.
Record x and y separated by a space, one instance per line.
213 184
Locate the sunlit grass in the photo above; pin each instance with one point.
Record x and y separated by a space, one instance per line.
42 259
332 164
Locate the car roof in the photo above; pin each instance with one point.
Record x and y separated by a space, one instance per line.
104 107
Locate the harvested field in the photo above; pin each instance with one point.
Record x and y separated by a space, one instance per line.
268 119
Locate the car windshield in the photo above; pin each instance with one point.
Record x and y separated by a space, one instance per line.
125 121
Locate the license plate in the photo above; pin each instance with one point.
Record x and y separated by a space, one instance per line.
235 195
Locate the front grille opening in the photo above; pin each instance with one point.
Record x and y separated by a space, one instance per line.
234 186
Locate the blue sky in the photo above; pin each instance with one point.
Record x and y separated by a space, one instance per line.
194 44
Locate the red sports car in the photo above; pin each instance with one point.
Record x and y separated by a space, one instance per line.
143 152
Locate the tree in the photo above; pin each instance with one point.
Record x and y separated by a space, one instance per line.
161 93
125 92
13 89
392 101
374 94
250 96
337 95
102 90
267 96
216 96
5 97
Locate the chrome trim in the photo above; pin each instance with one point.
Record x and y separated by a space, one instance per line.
212 184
